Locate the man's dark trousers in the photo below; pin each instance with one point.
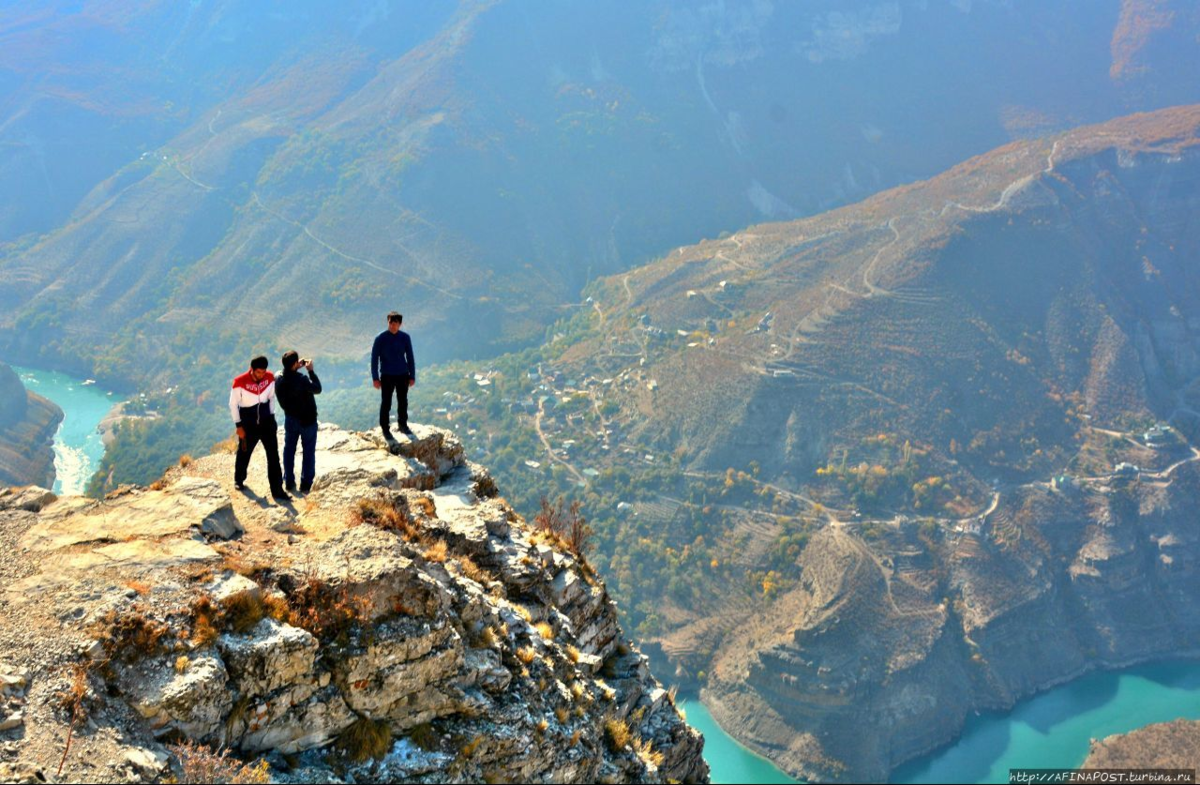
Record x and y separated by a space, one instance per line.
293 431
264 432
398 384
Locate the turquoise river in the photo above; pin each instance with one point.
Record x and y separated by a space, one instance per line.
78 448
1050 730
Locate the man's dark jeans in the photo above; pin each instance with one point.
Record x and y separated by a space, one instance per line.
260 432
293 431
398 385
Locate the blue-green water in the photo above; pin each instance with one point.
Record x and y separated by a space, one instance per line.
78 448
729 761
1051 730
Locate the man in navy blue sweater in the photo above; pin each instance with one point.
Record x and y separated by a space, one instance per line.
393 370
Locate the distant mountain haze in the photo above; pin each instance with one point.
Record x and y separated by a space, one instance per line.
173 170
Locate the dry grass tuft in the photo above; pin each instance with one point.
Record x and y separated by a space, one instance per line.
243 611
468 749
425 506
436 552
238 563
486 638
185 460
387 513
200 764
474 571
484 487
565 525
364 740
328 612
207 620
526 655
648 754
424 736
617 734
130 635
228 446
72 698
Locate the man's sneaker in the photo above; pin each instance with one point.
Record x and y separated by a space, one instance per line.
281 496
407 431
290 487
305 487
241 486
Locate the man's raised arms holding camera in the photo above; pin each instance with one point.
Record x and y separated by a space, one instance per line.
295 394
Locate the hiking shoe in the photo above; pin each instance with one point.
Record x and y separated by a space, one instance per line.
305 487
290 487
241 486
281 496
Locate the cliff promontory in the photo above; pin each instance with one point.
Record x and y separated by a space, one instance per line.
399 622
27 425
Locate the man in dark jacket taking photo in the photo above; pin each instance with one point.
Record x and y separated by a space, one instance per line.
295 394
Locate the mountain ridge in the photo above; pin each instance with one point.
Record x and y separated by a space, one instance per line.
361 172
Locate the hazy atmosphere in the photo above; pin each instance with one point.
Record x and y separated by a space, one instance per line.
689 390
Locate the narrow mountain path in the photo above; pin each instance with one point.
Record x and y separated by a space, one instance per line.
349 257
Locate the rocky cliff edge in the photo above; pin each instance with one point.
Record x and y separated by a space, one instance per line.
399 622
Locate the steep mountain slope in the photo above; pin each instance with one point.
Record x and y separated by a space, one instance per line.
477 166
27 425
868 408
995 303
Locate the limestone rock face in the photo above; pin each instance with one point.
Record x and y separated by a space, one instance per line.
30 498
405 604
270 657
192 702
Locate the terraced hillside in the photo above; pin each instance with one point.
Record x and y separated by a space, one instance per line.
985 315
919 405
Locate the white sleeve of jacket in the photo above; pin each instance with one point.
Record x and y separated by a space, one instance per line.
233 406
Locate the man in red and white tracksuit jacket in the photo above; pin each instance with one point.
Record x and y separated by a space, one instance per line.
252 406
